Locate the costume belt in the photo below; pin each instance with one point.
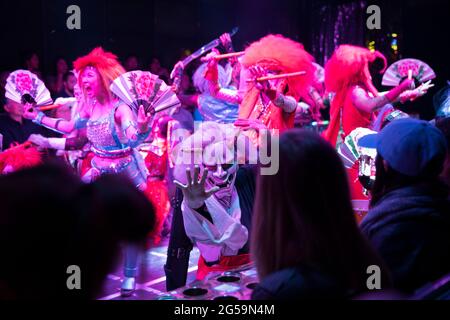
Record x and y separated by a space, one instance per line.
112 154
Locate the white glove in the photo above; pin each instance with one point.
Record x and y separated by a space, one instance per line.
48 143
39 140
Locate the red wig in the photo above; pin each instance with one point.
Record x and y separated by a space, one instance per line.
348 67
106 64
284 55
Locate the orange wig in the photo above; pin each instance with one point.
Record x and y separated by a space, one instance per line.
106 64
284 55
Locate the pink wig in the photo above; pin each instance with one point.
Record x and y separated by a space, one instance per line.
348 67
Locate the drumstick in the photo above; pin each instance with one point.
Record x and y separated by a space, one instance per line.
49 107
58 103
223 56
278 76
46 108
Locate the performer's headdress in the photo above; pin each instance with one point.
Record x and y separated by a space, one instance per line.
278 53
106 64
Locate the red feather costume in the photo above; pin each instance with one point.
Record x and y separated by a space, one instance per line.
19 157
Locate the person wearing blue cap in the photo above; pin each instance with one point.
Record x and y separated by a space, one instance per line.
409 219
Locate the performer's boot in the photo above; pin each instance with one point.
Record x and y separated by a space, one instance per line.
128 286
130 270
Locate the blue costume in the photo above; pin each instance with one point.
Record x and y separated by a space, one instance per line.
113 154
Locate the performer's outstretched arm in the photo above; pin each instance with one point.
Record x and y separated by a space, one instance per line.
364 102
73 143
40 118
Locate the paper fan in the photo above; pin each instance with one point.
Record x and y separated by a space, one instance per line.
398 71
137 88
23 86
350 152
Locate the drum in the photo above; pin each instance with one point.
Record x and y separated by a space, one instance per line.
229 285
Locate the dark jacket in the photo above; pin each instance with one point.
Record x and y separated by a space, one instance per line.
299 283
410 228
15 132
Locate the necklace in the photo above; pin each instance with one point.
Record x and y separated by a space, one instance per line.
93 104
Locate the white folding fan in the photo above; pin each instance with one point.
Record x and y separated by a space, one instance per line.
350 152
22 86
398 71
136 88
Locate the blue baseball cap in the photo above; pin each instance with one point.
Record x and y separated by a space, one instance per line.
408 145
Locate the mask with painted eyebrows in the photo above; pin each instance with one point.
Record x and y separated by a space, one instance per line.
222 169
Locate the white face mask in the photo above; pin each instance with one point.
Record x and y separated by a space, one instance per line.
220 162
223 176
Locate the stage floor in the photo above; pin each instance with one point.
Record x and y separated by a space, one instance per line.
151 280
